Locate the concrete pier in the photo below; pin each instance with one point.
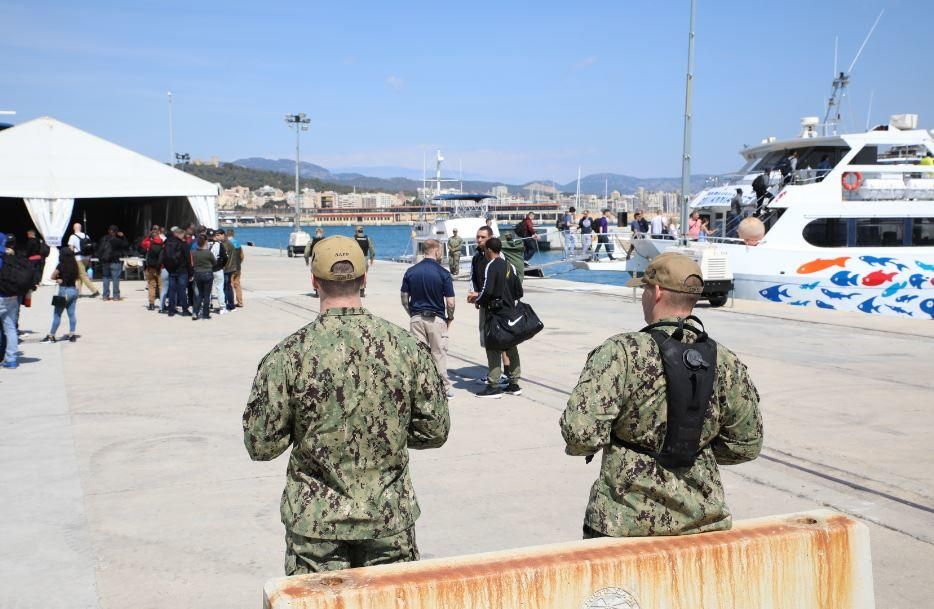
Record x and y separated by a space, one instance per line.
125 482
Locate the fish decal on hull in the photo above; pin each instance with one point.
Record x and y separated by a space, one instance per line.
927 306
838 295
869 306
821 263
895 287
844 278
906 298
878 278
825 305
810 286
873 261
917 280
775 293
799 303
924 266
900 310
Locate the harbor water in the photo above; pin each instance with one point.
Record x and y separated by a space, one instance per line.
393 241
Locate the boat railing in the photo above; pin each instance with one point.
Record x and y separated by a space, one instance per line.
888 183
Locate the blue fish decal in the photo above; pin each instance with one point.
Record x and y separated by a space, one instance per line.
872 261
810 286
917 280
838 295
825 305
799 303
775 293
900 310
906 298
869 306
890 291
923 266
844 278
927 306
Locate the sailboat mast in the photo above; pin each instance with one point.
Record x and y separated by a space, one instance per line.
686 155
578 198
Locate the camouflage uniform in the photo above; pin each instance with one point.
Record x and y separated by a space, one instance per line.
349 393
454 254
621 395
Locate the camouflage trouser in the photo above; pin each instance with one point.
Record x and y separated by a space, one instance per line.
306 555
454 264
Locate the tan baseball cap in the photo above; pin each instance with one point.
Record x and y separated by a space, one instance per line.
337 249
670 271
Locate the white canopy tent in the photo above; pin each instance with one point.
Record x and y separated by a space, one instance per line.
49 164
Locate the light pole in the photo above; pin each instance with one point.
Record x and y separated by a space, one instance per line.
171 134
182 158
300 122
686 153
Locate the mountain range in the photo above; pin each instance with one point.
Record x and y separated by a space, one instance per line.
590 184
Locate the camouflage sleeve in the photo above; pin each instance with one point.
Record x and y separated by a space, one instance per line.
431 420
740 437
267 420
372 249
587 422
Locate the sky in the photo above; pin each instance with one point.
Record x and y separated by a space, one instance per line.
509 91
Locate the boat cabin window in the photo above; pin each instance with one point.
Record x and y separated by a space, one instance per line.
808 159
888 154
870 232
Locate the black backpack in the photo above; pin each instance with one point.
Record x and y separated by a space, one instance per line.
105 250
173 255
86 246
519 229
154 254
44 249
16 276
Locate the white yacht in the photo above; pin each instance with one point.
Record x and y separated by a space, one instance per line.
851 228
461 211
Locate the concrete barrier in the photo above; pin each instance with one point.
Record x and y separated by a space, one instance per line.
810 560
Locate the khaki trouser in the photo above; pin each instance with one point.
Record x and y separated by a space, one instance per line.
306 555
433 331
235 284
454 264
494 359
154 281
83 278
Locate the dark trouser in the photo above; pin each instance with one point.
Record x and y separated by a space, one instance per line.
308 555
494 359
592 534
732 224
203 283
604 240
228 291
530 245
178 291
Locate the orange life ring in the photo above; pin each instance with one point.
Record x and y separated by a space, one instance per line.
851 185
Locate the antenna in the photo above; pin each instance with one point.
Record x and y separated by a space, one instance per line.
841 81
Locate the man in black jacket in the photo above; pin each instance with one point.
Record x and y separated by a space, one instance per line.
175 258
500 289
109 251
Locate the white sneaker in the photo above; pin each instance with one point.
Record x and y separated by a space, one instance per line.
223 312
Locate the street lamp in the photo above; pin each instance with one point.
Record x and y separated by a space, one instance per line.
300 122
182 158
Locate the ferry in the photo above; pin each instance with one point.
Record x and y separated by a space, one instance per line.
851 228
465 212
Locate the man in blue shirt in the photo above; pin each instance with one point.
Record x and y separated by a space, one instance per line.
428 298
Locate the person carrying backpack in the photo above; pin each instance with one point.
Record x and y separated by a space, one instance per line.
152 251
65 275
83 247
177 261
109 252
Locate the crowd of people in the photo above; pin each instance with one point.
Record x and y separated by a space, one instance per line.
191 272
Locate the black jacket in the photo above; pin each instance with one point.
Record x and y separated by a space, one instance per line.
175 256
477 265
501 285
111 248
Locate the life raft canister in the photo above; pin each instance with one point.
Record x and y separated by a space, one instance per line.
851 180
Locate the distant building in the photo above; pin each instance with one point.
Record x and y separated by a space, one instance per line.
212 162
500 192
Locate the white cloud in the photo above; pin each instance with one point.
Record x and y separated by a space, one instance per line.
394 82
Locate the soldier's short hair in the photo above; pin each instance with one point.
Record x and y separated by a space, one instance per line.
340 289
683 300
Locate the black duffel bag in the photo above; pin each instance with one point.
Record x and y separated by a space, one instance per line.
510 326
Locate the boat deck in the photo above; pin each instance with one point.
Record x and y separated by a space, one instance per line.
127 484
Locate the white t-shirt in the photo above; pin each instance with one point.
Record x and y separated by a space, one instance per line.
658 225
74 242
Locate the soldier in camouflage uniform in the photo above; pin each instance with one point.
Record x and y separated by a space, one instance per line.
455 243
349 393
619 406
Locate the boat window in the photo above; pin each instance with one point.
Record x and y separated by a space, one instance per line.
826 232
922 232
888 154
886 232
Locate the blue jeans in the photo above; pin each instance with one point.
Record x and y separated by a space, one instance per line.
112 272
228 290
164 278
178 291
203 283
9 310
71 295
